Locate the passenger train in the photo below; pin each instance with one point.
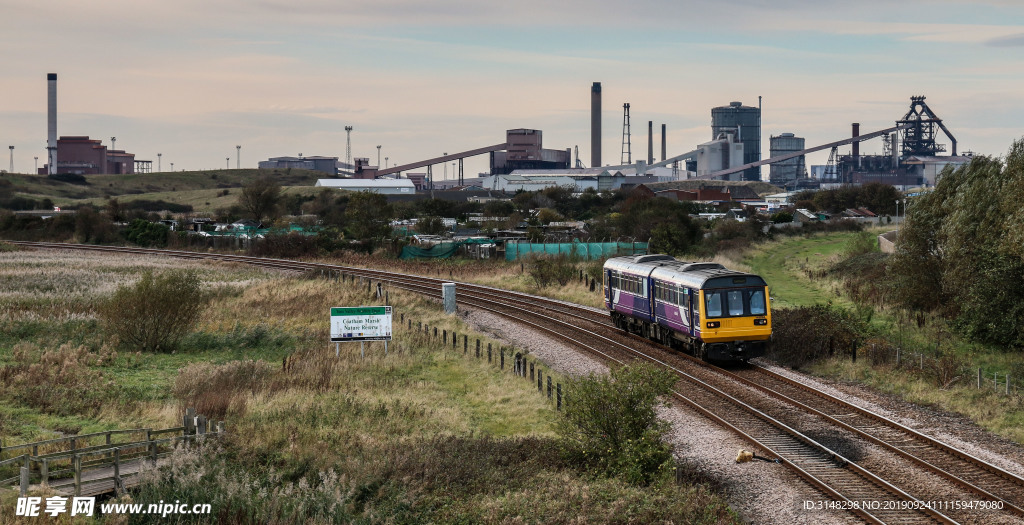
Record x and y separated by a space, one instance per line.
702 307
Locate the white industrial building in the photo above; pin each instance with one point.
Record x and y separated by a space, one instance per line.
720 154
382 186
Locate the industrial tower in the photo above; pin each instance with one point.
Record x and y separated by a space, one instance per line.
627 150
348 145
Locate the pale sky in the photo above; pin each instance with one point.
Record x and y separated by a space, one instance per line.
192 79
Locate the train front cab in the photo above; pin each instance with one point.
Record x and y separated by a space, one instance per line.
735 318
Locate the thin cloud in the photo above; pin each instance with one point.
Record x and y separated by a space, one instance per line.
1007 41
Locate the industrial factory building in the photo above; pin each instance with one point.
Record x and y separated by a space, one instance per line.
721 154
328 165
788 171
745 123
382 186
84 156
525 152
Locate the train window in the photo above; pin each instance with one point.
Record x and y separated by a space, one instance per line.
735 302
713 303
757 303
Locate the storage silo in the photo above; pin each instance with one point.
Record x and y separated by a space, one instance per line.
745 121
789 170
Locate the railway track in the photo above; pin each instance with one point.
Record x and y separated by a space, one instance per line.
717 393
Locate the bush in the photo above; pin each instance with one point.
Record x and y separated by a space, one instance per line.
609 422
807 333
155 313
548 270
146 234
70 178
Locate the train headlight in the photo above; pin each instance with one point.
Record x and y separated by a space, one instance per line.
761 322
714 324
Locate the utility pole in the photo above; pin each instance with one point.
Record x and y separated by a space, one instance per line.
158 158
238 158
378 156
37 164
12 160
227 163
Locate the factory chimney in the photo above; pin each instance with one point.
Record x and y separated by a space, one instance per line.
51 124
650 142
856 145
662 142
595 125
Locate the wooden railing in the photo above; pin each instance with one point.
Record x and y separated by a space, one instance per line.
65 465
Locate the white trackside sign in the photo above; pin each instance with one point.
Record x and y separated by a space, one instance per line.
362 323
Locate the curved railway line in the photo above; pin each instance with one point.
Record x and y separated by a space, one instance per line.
763 407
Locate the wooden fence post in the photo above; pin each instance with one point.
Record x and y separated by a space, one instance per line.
531 371
77 461
488 352
444 337
559 405
23 482
44 471
117 466
540 382
152 451
501 350
549 386
465 344
478 348
979 378
201 425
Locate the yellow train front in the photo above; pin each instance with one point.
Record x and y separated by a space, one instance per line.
711 311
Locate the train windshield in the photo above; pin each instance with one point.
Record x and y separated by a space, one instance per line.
735 302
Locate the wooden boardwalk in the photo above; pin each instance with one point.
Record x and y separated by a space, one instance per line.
78 466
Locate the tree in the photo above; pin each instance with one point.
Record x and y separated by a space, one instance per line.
155 313
610 424
260 198
431 226
368 217
959 251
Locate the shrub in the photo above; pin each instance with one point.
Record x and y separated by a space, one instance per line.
155 313
807 333
548 270
145 233
71 178
610 424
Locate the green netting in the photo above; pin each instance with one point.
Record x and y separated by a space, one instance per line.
438 251
584 250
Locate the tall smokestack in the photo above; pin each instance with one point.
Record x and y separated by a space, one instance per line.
51 123
856 145
595 125
662 142
650 142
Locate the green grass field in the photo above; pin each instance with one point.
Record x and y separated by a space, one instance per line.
196 188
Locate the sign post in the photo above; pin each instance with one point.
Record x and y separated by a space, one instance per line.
361 323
